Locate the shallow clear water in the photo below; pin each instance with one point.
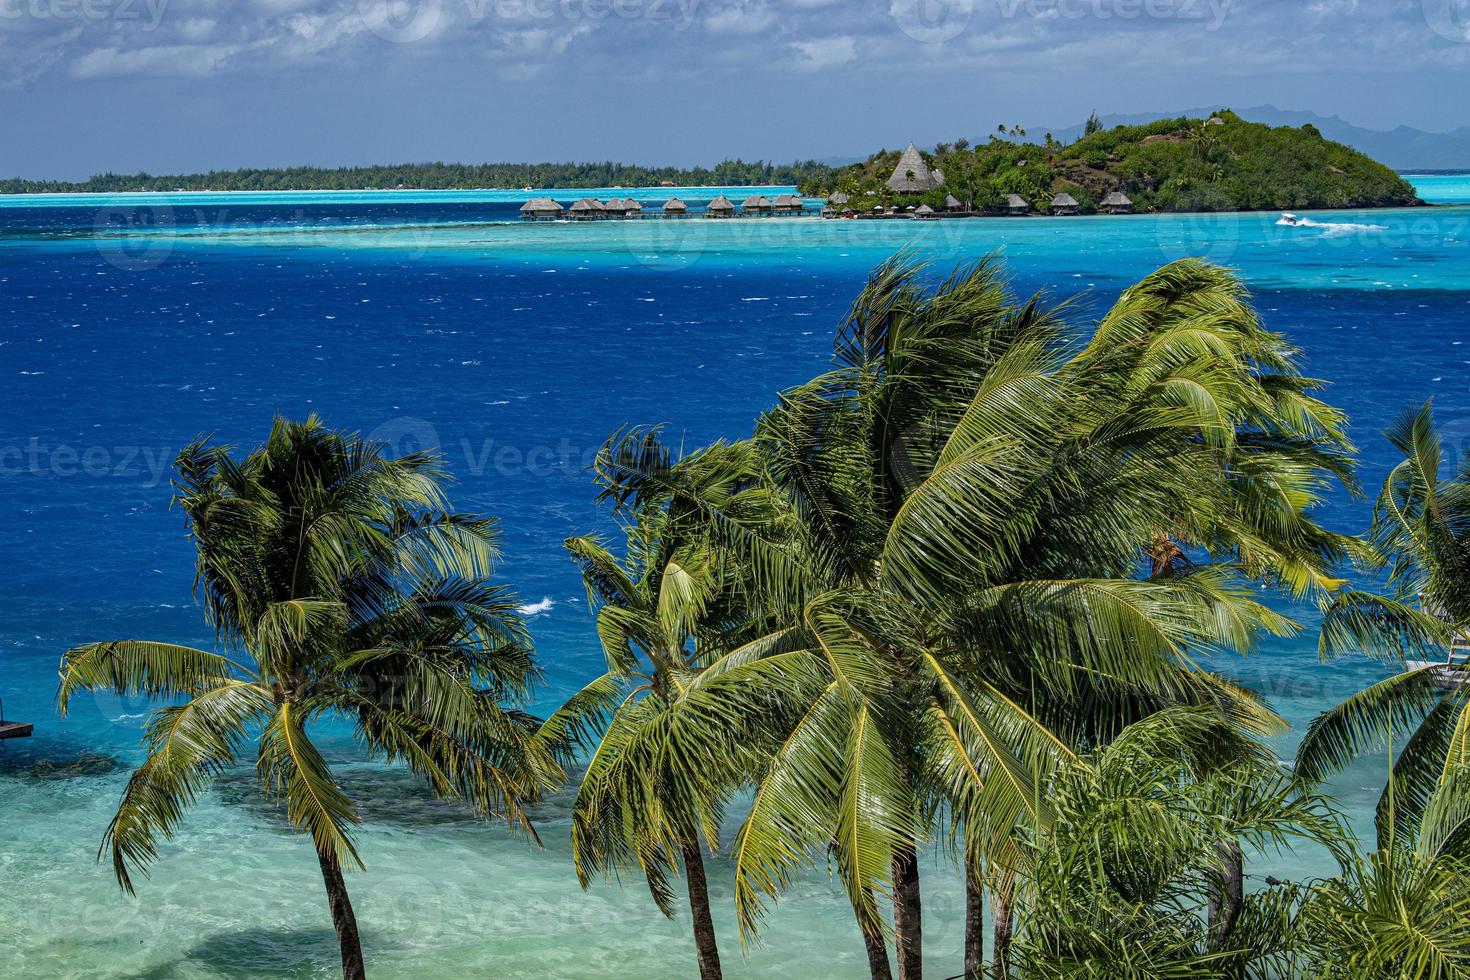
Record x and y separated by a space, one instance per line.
129 325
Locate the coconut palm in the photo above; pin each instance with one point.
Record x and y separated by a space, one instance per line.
1421 530
656 786
339 585
1126 883
970 500
1398 913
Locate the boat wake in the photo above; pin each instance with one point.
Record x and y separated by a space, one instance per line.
1330 229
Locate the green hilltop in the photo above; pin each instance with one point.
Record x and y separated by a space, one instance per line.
1224 163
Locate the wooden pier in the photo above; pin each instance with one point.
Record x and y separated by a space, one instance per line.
14 729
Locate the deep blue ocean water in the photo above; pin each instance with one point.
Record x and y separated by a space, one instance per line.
128 325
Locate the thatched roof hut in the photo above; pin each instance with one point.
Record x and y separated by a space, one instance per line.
540 208
1117 203
952 203
588 208
720 207
924 211
617 206
1016 204
756 204
1064 203
839 198
788 204
912 175
675 206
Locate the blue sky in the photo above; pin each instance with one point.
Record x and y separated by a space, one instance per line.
183 85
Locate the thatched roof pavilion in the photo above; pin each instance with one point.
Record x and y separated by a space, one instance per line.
1117 203
540 209
756 204
588 208
632 206
788 204
912 175
616 206
952 203
675 207
1016 204
720 207
1064 203
924 211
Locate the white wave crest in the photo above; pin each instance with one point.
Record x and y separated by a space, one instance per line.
536 608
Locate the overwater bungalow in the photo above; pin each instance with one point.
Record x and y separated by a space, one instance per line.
1064 204
1117 203
912 175
720 207
675 208
541 209
616 207
756 204
633 209
587 209
788 204
1017 205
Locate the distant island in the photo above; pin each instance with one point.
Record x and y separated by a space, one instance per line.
440 176
1220 163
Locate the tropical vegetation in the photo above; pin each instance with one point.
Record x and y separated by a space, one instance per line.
435 176
340 587
1224 163
958 596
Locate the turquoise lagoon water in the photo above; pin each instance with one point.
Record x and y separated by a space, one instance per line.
130 324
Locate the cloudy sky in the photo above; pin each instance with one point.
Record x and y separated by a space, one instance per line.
183 85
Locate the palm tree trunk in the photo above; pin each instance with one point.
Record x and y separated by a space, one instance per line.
343 918
907 913
877 947
705 946
1227 895
974 922
1005 897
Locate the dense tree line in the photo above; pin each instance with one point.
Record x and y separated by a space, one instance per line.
1220 164
438 176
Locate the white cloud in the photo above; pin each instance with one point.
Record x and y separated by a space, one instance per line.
743 18
827 52
189 60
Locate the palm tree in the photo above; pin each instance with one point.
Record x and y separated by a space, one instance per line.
656 787
1125 882
1421 531
340 585
967 502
